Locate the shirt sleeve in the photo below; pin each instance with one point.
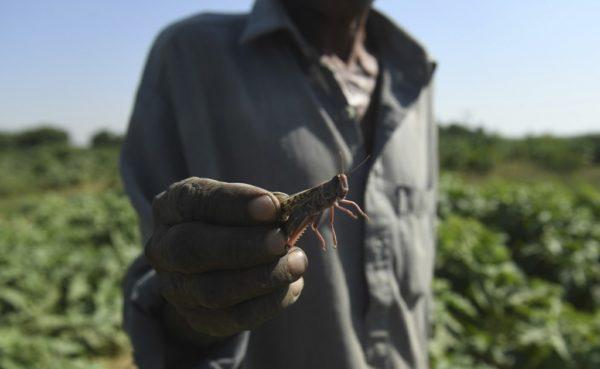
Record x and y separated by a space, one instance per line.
151 159
433 191
151 156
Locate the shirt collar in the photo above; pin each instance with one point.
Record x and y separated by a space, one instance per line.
394 45
269 17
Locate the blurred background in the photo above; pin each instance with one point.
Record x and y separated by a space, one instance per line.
518 102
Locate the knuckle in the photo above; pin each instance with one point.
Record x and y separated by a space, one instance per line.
197 292
222 330
174 287
157 203
219 331
154 249
217 296
197 321
194 197
150 251
169 289
196 187
244 319
233 322
209 296
199 325
174 204
171 236
202 290
213 323
257 312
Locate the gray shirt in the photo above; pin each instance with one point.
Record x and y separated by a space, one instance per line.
234 98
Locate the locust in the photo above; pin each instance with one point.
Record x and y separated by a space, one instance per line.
305 209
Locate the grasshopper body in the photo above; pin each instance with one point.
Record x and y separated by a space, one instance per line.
305 208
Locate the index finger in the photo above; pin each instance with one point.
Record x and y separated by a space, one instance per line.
211 201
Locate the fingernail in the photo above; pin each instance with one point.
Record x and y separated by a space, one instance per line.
263 208
276 242
297 286
297 262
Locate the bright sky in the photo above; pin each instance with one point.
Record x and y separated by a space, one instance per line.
513 66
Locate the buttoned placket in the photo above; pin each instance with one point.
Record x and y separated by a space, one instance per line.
378 266
395 100
377 255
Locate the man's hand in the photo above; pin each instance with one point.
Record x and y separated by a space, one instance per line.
221 260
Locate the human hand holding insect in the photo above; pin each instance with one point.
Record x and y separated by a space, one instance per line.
225 252
221 257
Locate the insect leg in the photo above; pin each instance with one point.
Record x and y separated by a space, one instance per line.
345 211
315 229
297 233
355 206
331 213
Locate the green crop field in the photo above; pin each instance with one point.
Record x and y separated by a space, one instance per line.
518 262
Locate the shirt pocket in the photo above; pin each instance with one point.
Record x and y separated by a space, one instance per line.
415 212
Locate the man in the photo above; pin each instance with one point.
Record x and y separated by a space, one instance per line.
272 99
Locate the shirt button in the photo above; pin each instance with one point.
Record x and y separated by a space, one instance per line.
350 112
380 349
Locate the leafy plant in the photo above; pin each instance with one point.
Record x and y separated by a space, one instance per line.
517 270
61 262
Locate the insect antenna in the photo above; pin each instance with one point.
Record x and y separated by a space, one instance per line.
359 165
341 161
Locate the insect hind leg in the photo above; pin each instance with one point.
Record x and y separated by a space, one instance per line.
314 227
333 235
